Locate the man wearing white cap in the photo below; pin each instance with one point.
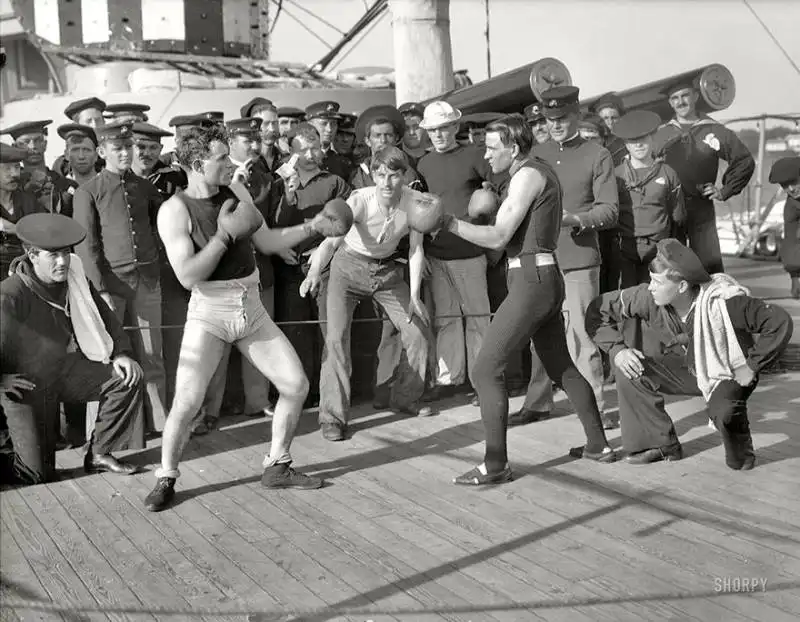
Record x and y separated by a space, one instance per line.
458 268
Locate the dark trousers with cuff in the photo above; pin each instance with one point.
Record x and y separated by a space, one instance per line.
646 425
33 423
530 312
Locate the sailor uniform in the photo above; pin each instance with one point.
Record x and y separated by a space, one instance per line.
694 151
668 346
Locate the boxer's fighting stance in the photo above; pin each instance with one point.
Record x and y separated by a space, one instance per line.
527 226
209 236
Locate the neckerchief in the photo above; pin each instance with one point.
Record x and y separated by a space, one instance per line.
629 175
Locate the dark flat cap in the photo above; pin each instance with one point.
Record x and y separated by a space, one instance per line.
181 120
560 101
50 232
480 119
414 109
533 112
249 125
387 112
80 105
119 110
323 110
678 84
348 123
114 131
69 130
27 127
213 116
148 131
291 112
637 124
190 120
785 170
683 260
12 155
255 104
608 100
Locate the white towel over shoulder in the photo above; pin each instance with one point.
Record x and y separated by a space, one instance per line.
717 353
90 332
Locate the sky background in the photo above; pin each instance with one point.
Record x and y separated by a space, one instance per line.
606 45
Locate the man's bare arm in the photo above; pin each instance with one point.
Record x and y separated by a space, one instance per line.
525 186
174 227
272 241
323 254
416 262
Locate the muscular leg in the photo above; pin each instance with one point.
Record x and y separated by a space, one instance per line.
201 352
270 352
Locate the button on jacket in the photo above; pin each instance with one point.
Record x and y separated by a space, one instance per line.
118 213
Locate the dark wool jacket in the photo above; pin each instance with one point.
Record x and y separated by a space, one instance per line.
695 151
665 335
35 330
119 215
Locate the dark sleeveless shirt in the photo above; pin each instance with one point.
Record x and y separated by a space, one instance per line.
539 229
239 260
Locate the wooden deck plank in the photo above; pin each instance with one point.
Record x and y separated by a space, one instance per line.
129 545
523 588
361 571
240 499
504 516
53 571
491 577
19 582
99 576
213 580
784 595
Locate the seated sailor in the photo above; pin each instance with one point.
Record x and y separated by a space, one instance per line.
697 339
59 342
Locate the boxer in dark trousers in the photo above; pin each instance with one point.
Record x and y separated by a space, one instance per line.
698 340
693 144
527 225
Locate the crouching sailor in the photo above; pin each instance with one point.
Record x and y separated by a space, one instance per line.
697 340
61 343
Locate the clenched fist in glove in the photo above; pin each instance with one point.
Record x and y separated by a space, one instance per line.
334 220
236 221
426 213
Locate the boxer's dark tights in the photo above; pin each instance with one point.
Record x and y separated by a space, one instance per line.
532 310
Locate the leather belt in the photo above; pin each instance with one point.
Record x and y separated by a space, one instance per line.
541 259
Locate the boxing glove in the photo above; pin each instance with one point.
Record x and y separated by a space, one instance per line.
334 220
483 202
426 213
237 220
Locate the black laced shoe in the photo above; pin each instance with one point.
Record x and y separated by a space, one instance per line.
284 476
161 495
